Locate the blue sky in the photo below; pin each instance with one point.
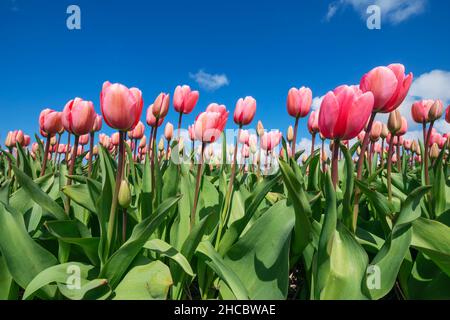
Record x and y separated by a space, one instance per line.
226 49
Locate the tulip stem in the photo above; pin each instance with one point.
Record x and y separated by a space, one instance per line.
67 148
119 174
56 150
150 140
167 150
135 149
426 137
334 163
313 141
360 168
382 155
152 159
91 154
124 225
323 155
44 161
389 169
197 186
371 152
399 165
294 141
71 169
179 125
227 203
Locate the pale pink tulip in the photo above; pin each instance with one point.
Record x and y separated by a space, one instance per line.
184 100
299 102
78 116
245 111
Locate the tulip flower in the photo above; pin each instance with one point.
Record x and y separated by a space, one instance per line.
121 107
50 122
168 134
184 101
245 111
84 139
343 114
313 128
375 133
447 114
298 105
161 105
78 117
270 140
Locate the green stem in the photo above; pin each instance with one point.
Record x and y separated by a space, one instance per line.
44 161
197 186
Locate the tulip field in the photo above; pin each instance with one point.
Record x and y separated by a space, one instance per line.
158 212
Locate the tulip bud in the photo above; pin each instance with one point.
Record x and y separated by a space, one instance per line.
161 144
394 121
260 128
324 157
124 196
52 141
384 132
414 146
290 134
434 152
304 158
436 111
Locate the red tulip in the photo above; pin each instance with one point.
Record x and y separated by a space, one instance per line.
313 122
344 112
184 100
84 139
389 86
78 116
245 111
269 140
209 124
121 107
420 110
299 102
50 122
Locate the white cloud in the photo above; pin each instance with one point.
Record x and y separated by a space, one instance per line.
432 85
317 101
442 126
210 82
393 11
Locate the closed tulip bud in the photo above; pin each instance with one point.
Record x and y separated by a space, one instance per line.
26 140
434 152
414 146
138 132
245 111
436 111
115 138
181 145
9 140
124 196
394 122
209 124
143 142
161 145
253 144
161 105
384 131
403 127
375 133
168 131
84 139
260 128
324 157
290 134
184 100
420 110
50 122
78 116
299 102
313 122
53 141
34 147
244 137
304 158
97 123
121 107
95 150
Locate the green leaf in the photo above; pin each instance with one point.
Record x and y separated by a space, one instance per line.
66 274
260 257
40 197
23 257
80 194
167 250
119 262
150 281
215 261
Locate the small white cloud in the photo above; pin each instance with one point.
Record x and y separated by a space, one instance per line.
317 101
432 85
393 11
210 82
442 126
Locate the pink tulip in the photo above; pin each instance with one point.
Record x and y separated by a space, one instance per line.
245 151
50 122
26 140
35 147
407 144
269 140
115 137
244 137
151 119
404 127
375 133
121 107
138 132
184 100
143 142
447 114
377 148
389 86
191 133
168 131
84 139
344 112
420 110
78 116
313 122
209 124
161 105
245 111
97 123
361 136
299 102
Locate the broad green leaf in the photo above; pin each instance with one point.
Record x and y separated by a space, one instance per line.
167 250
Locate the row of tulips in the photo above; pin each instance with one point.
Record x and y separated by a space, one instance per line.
247 220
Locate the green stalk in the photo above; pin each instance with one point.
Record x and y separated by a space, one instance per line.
197 186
